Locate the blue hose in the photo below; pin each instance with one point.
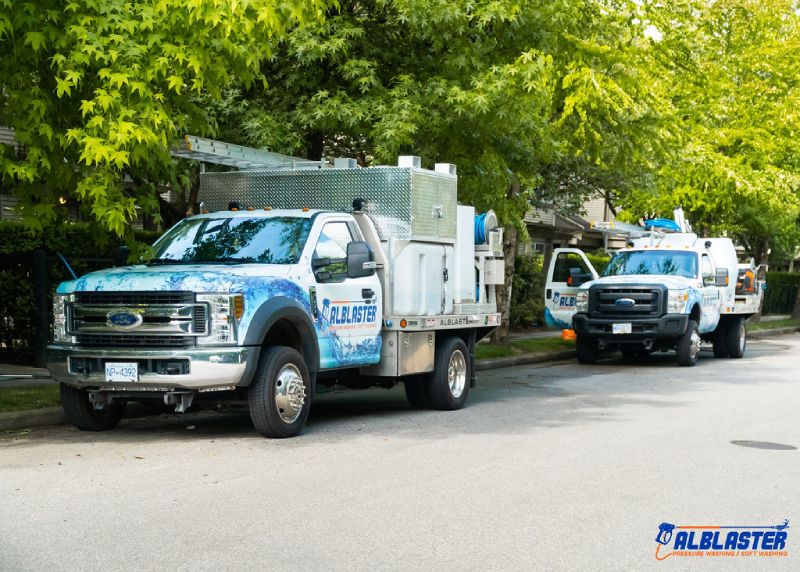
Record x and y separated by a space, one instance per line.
480 229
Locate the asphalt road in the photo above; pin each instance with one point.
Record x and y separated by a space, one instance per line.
549 467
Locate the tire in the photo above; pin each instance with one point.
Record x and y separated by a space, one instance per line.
688 346
736 338
448 384
82 414
586 350
279 397
416 387
720 341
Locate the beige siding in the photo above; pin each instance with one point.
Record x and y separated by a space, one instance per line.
595 210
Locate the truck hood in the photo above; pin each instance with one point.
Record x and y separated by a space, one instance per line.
219 278
671 282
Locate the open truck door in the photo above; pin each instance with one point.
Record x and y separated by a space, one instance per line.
569 268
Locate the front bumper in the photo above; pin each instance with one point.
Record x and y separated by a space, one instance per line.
669 326
199 368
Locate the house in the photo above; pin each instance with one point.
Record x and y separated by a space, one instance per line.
548 230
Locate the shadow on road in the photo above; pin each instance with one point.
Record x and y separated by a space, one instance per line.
506 401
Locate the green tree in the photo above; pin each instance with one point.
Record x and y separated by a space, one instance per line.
733 74
537 102
96 89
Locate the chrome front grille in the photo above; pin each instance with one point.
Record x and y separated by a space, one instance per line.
166 319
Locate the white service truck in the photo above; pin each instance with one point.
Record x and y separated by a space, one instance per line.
667 290
296 281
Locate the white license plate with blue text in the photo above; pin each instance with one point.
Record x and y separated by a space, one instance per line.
621 328
122 371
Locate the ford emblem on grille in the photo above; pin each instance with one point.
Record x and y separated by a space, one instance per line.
625 302
124 319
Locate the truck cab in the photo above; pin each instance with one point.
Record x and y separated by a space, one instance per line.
665 291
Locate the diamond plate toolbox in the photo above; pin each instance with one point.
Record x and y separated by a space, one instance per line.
403 202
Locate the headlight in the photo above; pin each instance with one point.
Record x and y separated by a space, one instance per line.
62 307
225 310
676 301
582 302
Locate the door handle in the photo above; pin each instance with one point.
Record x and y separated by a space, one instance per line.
548 294
367 293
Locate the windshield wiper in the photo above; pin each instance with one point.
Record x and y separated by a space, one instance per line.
167 261
227 260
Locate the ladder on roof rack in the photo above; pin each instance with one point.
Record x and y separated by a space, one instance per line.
243 158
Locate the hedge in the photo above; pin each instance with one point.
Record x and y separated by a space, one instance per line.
85 247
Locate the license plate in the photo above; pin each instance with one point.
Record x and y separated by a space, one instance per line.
621 328
122 371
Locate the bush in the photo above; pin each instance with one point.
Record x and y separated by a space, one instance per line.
781 278
599 260
781 292
86 247
527 294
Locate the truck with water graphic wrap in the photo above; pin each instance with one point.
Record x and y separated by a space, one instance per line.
293 281
668 289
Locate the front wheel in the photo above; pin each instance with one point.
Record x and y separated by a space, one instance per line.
448 384
280 395
586 350
688 346
80 411
736 338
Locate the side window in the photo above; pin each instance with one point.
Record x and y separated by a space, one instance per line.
565 262
707 269
330 255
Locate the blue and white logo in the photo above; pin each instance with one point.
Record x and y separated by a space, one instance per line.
625 302
124 319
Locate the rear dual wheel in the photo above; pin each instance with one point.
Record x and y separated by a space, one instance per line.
447 386
730 339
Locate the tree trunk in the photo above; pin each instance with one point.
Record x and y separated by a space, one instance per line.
796 308
763 252
502 334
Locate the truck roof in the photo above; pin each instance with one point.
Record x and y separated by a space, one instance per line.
260 213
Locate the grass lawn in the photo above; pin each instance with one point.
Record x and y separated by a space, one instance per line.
517 347
773 324
22 398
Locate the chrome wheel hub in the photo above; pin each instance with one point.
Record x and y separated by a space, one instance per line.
695 344
290 393
457 374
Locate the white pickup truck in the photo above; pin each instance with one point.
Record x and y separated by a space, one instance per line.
666 290
310 279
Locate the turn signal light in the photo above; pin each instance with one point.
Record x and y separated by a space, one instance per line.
403 323
238 306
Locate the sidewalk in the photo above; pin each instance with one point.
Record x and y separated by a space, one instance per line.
23 376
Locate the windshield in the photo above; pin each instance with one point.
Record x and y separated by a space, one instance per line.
277 240
663 262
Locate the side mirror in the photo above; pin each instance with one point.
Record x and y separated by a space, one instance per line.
721 277
359 260
576 277
121 256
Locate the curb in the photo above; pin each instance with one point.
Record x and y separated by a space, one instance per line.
772 332
11 420
524 359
